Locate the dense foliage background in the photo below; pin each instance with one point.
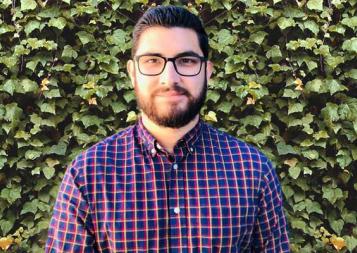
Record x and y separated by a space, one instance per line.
285 80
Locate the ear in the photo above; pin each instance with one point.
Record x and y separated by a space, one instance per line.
130 67
209 69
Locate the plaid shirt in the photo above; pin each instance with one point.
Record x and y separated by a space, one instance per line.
126 194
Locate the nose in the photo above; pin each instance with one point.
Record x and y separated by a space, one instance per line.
169 76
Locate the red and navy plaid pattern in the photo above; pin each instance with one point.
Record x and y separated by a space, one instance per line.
126 194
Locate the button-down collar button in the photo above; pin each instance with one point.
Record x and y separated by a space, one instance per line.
191 149
153 152
158 146
175 166
176 210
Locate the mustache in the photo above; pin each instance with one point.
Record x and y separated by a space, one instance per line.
176 88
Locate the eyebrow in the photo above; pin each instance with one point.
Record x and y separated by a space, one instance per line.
185 53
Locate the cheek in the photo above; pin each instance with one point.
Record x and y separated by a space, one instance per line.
195 86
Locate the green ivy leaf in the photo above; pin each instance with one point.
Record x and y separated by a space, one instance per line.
288 191
258 37
295 107
29 85
213 96
11 195
288 93
6 226
313 207
30 207
274 53
225 38
28 5
350 45
330 112
350 22
5 4
48 107
48 172
59 23
337 225
351 242
112 67
85 37
352 74
314 85
117 107
9 86
69 52
31 26
32 154
294 172
331 194
310 154
225 107
52 93
284 149
252 120
333 62
59 149
315 5
343 158
91 120
284 23
312 26
118 38
13 112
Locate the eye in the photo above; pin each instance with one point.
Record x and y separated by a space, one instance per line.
150 60
188 60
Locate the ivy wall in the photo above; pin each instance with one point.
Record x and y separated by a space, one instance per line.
285 81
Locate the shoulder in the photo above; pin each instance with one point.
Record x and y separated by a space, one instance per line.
243 155
105 150
235 145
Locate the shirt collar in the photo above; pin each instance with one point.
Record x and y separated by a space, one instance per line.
151 145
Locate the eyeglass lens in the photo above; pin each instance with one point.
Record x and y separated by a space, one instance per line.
184 65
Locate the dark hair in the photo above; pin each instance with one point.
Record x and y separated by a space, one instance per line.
170 16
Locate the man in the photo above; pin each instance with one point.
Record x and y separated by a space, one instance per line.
170 183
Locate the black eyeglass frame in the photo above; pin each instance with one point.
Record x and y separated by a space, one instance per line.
172 59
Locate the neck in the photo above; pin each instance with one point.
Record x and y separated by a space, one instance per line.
167 136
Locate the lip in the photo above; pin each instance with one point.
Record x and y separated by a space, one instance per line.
171 94
171 97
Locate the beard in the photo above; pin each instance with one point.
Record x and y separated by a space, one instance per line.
175 117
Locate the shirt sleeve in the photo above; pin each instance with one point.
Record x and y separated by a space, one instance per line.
270 228
70 227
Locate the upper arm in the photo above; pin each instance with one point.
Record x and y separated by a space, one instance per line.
70 227
270 231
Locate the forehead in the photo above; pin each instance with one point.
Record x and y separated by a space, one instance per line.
168 41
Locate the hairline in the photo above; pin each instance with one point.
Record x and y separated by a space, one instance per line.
146 27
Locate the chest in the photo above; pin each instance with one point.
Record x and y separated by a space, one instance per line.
185 204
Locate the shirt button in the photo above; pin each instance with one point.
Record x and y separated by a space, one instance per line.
191 149
175 166
176 210
153 152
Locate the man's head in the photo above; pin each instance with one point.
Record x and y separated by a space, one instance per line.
169 70
170 16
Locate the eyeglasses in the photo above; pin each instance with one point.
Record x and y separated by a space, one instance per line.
153 65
